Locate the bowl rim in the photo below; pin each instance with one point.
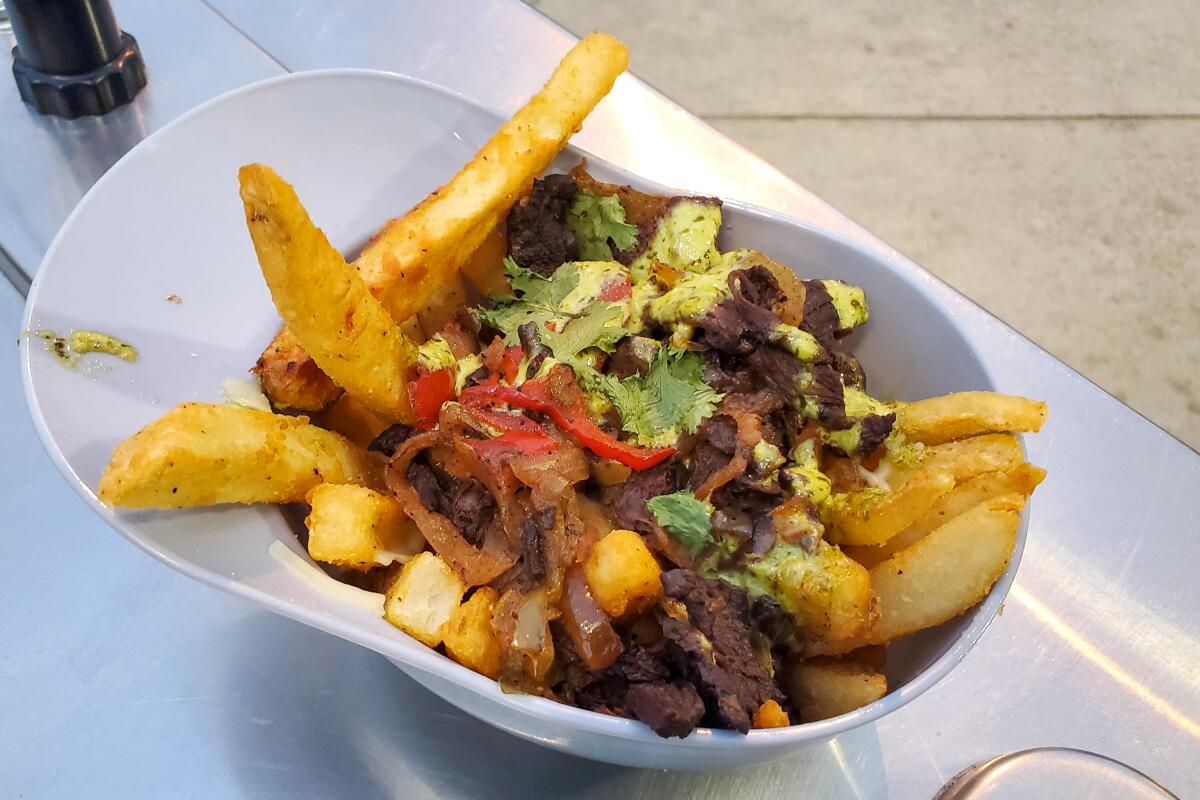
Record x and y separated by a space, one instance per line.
426 659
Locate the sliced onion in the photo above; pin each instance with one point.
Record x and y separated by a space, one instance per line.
586 623
476 566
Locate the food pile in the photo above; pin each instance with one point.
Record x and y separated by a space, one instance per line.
587 453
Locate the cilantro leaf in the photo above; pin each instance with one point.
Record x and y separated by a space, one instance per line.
537 298
671 396
686 518
596 221
599 326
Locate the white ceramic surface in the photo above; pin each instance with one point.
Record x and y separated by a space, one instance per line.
361 147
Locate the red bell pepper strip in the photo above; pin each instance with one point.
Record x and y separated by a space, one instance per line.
620 289
510 364
428 392
514 442
558 396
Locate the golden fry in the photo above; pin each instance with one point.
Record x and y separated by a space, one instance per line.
872 516
1022 480
353 420
942 575
955 416
821 688
411 257
291 379
469 636
992 452
200 454
324 303
355 527
424 598
623 574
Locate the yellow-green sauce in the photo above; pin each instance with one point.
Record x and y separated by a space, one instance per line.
70 348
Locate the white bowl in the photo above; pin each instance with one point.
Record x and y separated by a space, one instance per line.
362 147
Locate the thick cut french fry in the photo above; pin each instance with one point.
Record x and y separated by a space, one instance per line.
291 379
623 574
827 594
355 527
469 636
442 308
943 574
485 268
424 598
414 255
872 516
821 688
955 416
324 303
1021 479
411 257
200 454
992 452
353 420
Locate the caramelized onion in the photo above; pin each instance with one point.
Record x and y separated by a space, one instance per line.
512 515
476 566
521 622
587 624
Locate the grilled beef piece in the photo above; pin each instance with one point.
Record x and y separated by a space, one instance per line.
390 439
605 690
670 709
775 368
820 314
713 648
464 501
627 500
538 236
633 356
533 541
716 440
827 392
873 429
742 323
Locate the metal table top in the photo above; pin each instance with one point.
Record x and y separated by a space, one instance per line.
124 679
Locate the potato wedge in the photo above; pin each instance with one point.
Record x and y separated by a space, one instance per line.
1021 479
485 268
442 308
291 379
355 527
943 574
469 636
825 592
201 454
324 303
411 257
623 574
414 255
353 420
872 516
955 416
424 598
966 459
821 688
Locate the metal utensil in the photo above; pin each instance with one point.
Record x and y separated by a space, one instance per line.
1062 773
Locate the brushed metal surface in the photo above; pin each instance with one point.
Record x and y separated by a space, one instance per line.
124 679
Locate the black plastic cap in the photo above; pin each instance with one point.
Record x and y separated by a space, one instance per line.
88 94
